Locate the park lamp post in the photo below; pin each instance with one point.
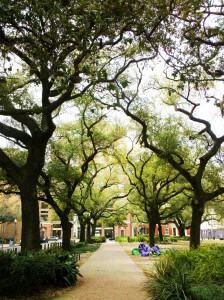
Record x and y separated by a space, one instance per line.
15 231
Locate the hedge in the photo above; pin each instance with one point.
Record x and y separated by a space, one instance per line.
98 239
26 274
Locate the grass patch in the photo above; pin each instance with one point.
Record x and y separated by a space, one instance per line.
80 248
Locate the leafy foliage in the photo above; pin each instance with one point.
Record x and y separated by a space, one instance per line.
193 274
98 239
6 214
79 248
23 275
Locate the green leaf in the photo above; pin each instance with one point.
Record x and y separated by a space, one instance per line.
125 83
111 87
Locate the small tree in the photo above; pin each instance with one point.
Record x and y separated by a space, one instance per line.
105 198
72 156
154 185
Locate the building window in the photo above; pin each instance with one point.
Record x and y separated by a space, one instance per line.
44 205
3 229
122 232
56 225
44 218
166 231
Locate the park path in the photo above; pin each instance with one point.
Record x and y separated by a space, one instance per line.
109 274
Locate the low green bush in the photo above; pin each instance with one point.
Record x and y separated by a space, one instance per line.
132 239
121 239
4 240
175 238
208 292
98 239
145 239
189 274
66 269
83 248
26 274
142 238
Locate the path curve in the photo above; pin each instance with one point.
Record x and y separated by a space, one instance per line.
109 274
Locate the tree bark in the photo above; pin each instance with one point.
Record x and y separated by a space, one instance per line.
30 239
66 228
160 231
181 229
82 231
88 237
152 227
93 228
197 213
180 225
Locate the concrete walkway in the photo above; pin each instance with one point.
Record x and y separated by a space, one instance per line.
109 274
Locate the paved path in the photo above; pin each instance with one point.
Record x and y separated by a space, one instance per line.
109 274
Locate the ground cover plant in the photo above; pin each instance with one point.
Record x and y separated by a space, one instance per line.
195 274
98 239
145 239
79 248
26 274
121 239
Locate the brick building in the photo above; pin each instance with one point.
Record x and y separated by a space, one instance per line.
11 230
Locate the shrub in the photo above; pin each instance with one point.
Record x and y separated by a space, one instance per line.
173 239
83 248
157 239
98 239
188 274
25 274
4 240
6 260
142 238
121 239
168 279
211 291
145 239
138 238
66 269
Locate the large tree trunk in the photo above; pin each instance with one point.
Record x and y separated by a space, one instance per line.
197 213
160 231
152 227
82 231
93 228
181 229
180 225
66 228
30 239
88 233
